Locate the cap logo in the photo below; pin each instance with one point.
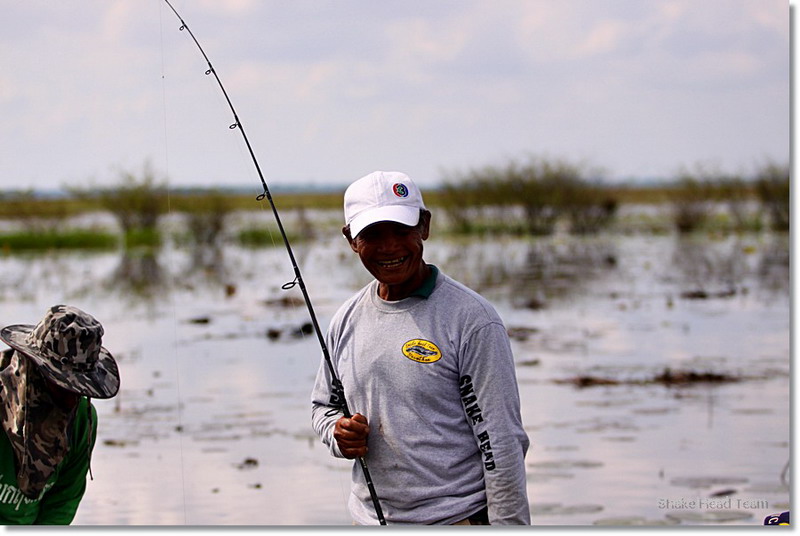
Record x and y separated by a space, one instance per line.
400 190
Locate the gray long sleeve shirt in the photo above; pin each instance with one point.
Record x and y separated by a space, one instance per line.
435 378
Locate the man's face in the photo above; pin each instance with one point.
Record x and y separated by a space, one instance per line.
392 252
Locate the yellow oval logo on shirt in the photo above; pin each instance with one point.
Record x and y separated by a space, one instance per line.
421 351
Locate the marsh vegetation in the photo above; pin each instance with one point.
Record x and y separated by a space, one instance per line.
536 197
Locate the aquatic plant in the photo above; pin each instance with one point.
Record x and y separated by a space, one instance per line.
137 202
667 378
206 215
737 195
692 200
708 198
544 191
261 237
772 185
34 212
43 240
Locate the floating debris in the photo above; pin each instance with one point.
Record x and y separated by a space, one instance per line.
536 304
529 363
681 377
200 320
296 332
667 378
521 333
285 301
118 442
303 330
248 463
588 381
705 295
273 334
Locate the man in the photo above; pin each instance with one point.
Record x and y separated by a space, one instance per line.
49 423
426 367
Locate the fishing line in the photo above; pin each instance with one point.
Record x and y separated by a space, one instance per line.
170 262
336 384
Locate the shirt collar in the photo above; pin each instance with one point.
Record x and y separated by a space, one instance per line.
426 288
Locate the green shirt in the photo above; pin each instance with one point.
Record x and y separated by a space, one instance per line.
63 492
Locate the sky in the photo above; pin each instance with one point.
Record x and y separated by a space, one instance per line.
330 90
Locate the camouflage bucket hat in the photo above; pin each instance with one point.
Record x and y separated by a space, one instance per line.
66 347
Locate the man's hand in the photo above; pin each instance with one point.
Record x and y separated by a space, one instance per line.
351 435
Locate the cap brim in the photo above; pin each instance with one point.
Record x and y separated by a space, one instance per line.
100 382
403 214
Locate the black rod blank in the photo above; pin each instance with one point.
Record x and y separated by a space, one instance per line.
298 280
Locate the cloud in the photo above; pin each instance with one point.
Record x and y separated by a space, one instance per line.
326 86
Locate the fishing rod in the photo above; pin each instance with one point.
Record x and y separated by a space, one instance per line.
338 389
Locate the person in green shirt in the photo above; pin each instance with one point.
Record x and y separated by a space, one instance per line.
48 377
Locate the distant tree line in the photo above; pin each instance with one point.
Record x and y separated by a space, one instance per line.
537 195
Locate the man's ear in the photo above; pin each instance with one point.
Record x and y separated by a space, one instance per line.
346 233
425 223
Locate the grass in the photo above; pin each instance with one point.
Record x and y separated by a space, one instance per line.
142 237
50 240
260 237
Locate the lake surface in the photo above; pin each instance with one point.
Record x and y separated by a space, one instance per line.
212 423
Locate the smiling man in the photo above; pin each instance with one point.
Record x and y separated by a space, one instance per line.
427 369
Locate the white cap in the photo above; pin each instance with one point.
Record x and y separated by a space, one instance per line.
381 196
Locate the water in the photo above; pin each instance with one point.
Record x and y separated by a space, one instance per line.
212 423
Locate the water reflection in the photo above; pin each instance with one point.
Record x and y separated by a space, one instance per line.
529 273
560 270
146 275
138 275
726 267
209 260
774 265
701 267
